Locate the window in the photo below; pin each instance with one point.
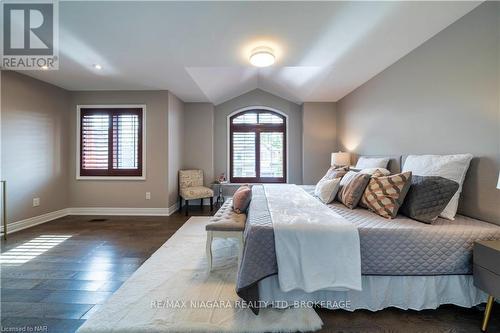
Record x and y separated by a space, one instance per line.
111 142
257 147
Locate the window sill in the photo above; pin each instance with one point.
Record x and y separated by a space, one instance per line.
110 178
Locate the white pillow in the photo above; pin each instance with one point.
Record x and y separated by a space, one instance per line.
327 189
371 171
453 167
372 162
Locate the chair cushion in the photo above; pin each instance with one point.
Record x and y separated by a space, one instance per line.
226 219
196 192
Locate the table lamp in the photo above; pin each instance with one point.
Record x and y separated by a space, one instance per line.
341 159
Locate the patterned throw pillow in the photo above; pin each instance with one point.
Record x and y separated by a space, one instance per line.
427 197
352 186
241 199
385 194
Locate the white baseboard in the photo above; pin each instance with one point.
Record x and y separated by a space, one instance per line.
36 220
118 211
172 209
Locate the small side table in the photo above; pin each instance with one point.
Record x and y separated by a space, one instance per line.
220 192
487 273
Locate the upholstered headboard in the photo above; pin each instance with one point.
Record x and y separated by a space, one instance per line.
394 161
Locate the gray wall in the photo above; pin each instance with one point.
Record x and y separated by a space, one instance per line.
199 138
125 193
34 139
319 139
442 98
175 145
258 97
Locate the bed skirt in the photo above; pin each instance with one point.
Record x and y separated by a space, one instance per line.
380 292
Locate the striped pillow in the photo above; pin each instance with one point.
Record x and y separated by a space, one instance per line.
385 194
352 186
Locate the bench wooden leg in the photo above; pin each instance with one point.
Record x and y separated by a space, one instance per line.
187 206
211 203
201 203
209 250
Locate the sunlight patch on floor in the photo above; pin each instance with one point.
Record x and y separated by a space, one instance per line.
31 249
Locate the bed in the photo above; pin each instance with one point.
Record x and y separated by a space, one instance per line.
404 263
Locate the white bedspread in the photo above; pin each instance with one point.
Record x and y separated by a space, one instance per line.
315 247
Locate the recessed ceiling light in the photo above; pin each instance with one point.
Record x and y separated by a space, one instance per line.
97 66
45 67
262 57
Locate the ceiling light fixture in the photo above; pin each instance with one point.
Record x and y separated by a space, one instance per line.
97 66
45 67
262 57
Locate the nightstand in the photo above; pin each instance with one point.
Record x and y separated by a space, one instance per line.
487 273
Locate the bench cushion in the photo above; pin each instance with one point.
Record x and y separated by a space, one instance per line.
226 219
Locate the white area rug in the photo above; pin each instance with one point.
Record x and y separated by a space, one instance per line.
173 292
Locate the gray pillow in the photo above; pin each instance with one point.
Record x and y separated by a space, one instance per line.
427 197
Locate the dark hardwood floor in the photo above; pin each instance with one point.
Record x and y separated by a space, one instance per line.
55 275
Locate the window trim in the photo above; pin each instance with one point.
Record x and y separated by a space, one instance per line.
78 140
256 180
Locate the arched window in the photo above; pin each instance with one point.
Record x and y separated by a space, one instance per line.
257 147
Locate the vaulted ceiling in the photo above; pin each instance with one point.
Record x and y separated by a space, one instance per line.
199 50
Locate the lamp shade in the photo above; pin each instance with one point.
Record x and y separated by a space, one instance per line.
341 158
498 183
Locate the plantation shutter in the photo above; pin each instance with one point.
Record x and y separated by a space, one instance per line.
125 141
95 141
271 154
244 154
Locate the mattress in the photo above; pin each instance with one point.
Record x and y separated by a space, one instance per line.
403 246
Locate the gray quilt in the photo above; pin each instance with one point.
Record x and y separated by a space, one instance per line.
400 246
259 257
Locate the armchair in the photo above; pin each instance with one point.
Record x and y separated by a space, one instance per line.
191 188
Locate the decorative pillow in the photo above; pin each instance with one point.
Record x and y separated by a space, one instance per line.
326 189
372 162
352 186
452 167
385 194
241 199
335 172
427 197
371 171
